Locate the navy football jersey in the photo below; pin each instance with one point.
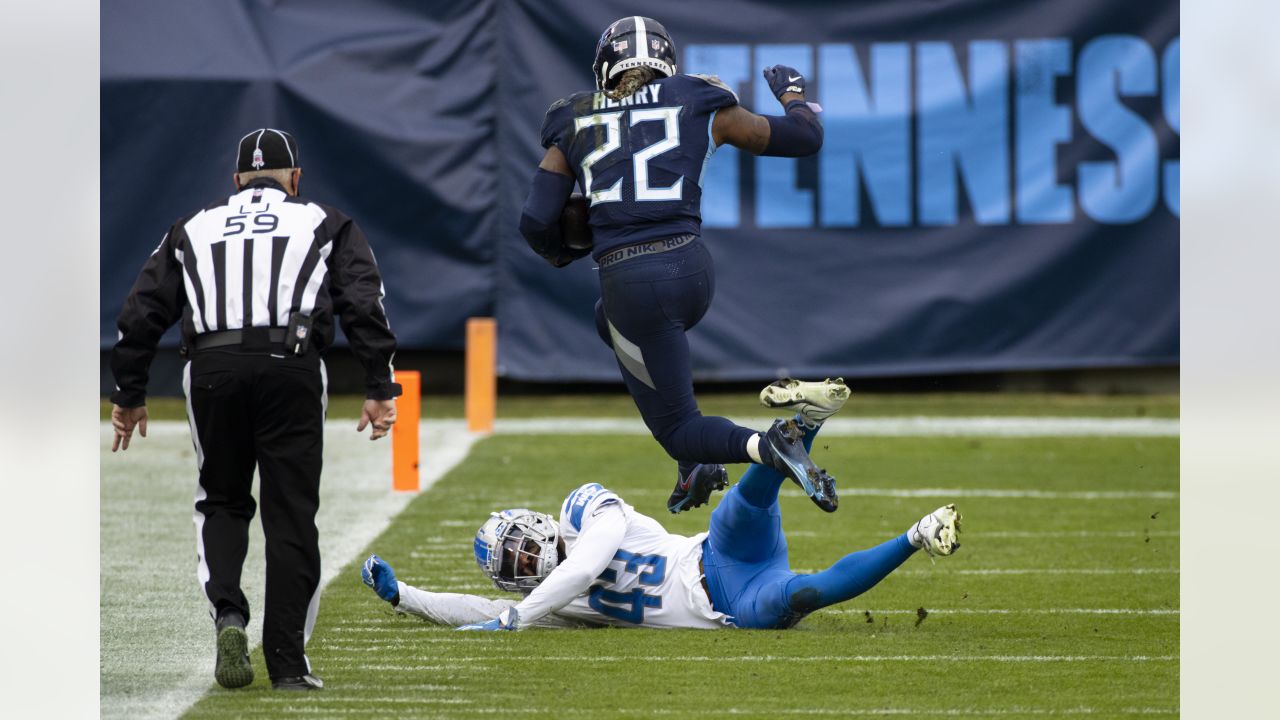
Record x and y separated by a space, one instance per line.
640 160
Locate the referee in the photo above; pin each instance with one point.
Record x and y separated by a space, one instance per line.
256 280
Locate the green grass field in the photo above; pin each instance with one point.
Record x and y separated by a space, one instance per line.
738 405
1059 603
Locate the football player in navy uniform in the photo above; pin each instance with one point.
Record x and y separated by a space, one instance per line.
638 146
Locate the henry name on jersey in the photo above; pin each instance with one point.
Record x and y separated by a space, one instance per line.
643 96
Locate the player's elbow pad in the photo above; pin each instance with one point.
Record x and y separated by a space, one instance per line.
540 218
796 134
543 238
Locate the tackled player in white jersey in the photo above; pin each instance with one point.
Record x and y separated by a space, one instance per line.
605 563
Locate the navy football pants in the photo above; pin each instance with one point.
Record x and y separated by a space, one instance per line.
745 559
647 304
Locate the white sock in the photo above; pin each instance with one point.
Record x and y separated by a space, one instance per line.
753 448
914 537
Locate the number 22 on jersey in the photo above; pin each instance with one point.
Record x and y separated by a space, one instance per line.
612 123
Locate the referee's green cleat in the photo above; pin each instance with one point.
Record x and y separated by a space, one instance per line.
233 669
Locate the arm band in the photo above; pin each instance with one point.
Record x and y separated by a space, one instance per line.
797 134
540 219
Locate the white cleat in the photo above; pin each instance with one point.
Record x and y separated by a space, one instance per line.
938 533
814 401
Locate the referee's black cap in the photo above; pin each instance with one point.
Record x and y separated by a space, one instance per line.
267 149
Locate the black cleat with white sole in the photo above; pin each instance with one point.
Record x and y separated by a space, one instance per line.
782 448
694 489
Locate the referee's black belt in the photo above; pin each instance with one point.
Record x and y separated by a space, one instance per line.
252 339
626 252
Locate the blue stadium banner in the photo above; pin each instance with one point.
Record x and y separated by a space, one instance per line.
392 103
998 188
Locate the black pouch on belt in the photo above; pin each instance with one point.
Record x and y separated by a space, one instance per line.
297 337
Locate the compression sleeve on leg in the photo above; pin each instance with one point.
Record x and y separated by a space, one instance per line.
540 218
796 134
851 576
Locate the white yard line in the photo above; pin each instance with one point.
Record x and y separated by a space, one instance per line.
1034 534
499 657
1024 571
295 706
997 493
883 426
1017 534
1017 611
157 638
1058 571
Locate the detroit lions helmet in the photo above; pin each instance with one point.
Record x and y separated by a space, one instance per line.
632 42
518 548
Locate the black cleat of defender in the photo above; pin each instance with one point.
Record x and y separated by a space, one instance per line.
782 448
695 489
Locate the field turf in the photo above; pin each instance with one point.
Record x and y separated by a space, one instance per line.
1063 600
740 405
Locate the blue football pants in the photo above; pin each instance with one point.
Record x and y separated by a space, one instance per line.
745 559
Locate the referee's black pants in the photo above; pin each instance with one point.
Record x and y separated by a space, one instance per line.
258 409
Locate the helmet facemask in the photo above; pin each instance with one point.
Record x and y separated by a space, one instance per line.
518 549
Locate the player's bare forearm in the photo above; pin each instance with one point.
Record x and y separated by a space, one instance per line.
741 128
555 161
748 131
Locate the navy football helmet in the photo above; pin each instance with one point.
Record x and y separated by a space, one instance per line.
632 42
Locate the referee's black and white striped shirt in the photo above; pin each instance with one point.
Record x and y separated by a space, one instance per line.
252 261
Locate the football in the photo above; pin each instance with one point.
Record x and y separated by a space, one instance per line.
574 225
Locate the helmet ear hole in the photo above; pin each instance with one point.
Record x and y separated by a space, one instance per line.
602 75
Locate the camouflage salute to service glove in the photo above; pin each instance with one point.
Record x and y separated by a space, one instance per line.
783 79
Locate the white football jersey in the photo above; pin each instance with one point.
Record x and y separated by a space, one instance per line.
653 579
